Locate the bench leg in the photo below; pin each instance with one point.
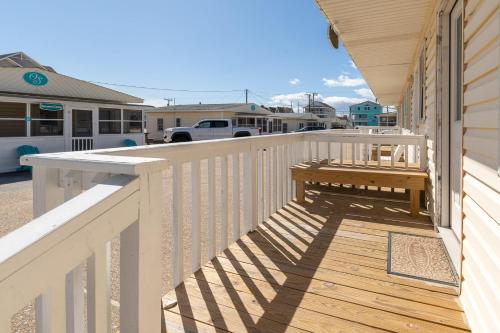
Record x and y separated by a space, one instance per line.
414 202
300 191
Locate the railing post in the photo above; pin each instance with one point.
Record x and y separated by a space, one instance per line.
140 302
423 154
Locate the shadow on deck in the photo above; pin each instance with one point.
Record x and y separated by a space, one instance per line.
316 267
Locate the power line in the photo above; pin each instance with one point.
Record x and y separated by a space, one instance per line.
165 89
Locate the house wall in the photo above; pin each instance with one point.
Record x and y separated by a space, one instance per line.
480 244
9 160
481 182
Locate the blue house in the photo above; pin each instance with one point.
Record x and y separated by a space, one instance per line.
365 113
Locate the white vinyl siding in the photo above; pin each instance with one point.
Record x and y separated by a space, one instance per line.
481 183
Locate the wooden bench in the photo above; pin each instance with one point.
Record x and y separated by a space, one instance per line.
411 179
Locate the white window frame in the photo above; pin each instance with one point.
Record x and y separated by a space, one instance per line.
26 114
132 121
99 121
41 119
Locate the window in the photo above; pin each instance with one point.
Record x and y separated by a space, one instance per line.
159 124
178 122
367 108
12 119
110 121
219 124
359 108
276 125
246 122
301 125
421 92
204 124
46 123
132 121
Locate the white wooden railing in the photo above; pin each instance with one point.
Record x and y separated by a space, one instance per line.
81 144
355 149
83 200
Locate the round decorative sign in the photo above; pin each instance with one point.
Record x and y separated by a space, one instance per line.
253 107
35 78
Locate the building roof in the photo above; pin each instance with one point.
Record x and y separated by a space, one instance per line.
382 39
320 104
13 82
366 102
298 116
250 108
21 60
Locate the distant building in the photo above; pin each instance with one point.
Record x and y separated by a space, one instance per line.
365 113
387 119
243 115
54 113
280 109
326 113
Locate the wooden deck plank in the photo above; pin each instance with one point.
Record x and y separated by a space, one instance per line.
316 267
224 317
265 292
322 286
281 313
268 261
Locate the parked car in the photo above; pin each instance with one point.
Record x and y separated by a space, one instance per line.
208 129
310 128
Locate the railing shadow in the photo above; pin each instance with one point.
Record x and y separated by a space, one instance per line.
265 276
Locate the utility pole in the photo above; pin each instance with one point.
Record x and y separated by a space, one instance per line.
298 106
246 96
309 103
169 100
313 94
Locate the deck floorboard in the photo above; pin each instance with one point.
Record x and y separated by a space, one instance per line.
316 267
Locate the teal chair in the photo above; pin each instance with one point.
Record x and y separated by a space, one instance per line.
26 150
129 143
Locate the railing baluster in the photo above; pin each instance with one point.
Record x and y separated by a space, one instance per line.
211 209
260 180
275 180
392 156
177 220
57 321
195 216
406 156
224 207
353 154
318 159
98 290
329 153
254 217
288 181
341 153
379 158
284 173
268 183
236 197
366 154
310 150
247 177
279 177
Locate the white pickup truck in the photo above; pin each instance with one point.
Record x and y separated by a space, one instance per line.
208 129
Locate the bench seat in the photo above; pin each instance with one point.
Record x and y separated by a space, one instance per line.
411 179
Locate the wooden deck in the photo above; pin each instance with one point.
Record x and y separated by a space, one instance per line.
316 267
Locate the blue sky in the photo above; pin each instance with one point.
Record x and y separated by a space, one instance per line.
278 49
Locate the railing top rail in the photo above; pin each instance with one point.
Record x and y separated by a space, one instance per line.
88 161
30 241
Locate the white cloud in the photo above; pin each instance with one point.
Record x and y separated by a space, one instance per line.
353 65
365 92
341 103
343 81
294 82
